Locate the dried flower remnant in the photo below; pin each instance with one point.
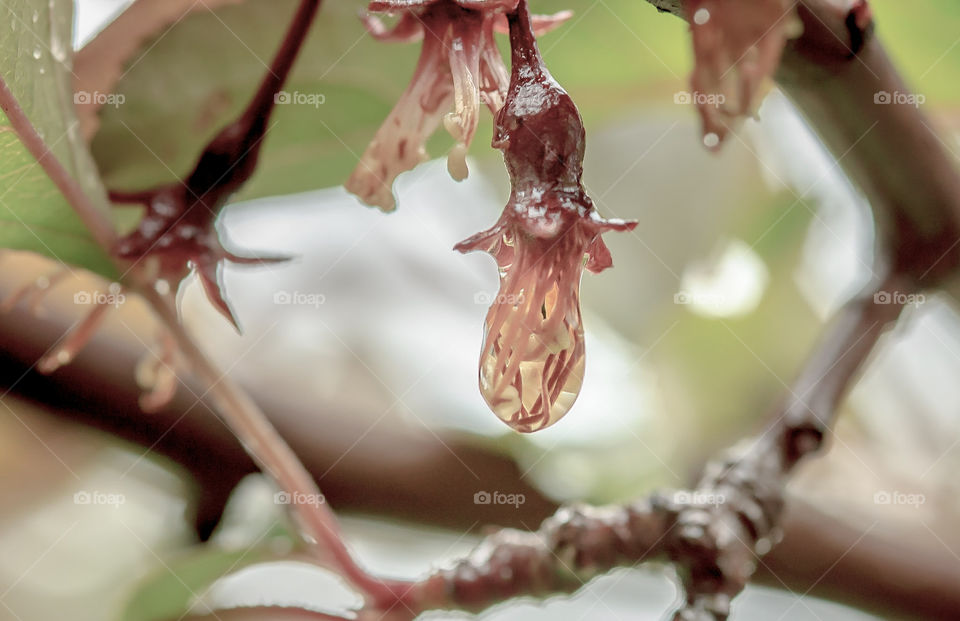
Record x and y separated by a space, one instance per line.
736 45
460 66
532 360
177 232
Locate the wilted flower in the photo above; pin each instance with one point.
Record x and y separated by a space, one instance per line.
736 45
459 67
532 361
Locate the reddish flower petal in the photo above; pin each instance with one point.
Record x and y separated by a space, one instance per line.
407 30
398 145
542 24
737 45
464 50
393 6
494 77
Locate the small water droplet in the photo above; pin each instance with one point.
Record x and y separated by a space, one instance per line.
58 50
162 286
701 17
36 17
37 53
710 140
762 546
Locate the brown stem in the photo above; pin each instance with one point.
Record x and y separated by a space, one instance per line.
839 76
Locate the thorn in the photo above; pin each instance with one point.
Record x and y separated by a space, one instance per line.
74 341
159 375
210 273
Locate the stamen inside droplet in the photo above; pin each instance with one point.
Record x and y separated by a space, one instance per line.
532 366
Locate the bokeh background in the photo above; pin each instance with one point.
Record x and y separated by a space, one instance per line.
365 347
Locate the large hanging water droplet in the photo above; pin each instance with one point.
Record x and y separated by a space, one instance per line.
37 53
532 363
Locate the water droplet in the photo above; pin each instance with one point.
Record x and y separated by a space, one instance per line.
37 53
711 140
58 50
701 17
161 286
36 17
531 368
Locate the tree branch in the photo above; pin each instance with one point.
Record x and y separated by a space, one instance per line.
714 534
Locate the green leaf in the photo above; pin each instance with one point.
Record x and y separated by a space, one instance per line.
169 592
191 79
35 59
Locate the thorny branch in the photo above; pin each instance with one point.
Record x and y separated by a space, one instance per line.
227 162
177 230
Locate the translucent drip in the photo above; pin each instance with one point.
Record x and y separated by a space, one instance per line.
532 362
